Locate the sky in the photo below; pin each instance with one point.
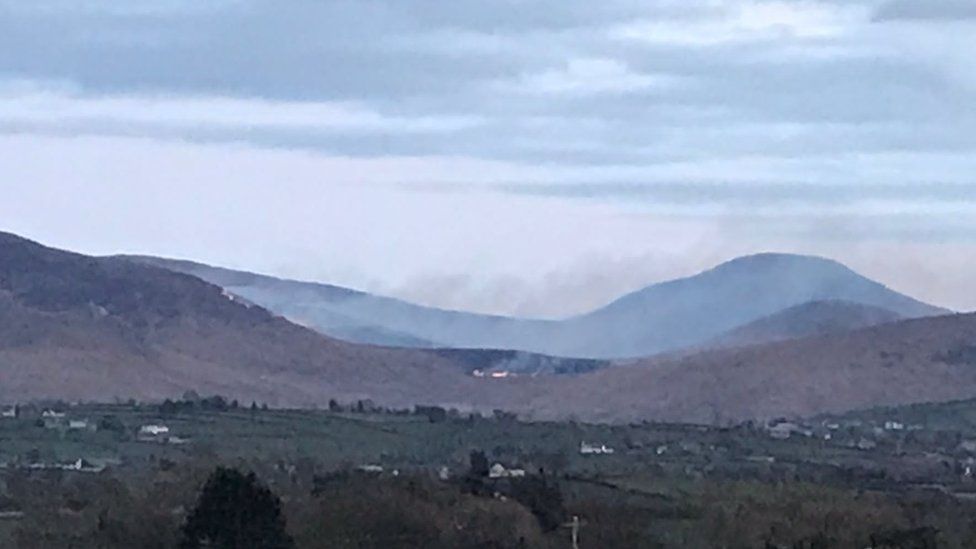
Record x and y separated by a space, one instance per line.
532 158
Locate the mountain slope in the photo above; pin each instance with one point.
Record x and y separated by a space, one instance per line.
359 316
911 361
690 311
809 319
78 327
673 315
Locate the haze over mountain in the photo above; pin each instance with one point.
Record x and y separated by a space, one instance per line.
809 319
662 317
79 327
911 361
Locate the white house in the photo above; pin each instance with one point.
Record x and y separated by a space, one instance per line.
371 468
77 424
590 449
82 465
782 431
154 430
894 426
499 471
968 446
51 414
9 412
866 444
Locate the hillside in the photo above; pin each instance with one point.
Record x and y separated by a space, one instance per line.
78 327
912 361
809 319
362 317
691 311
669 316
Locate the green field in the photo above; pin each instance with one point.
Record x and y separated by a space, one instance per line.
665 485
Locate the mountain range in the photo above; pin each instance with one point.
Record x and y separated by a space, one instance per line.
684 313
100 328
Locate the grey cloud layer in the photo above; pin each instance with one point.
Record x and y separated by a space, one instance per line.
827 103
929 9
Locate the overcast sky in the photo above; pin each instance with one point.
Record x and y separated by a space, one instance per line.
510 156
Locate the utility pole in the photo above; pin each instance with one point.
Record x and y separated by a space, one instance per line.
574 528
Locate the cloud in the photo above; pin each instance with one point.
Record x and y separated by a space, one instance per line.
589 76
110 7
733 22
35 105
929 10
797 125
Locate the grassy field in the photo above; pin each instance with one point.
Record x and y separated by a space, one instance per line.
667 485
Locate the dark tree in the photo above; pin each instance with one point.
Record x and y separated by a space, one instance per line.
542 497
479 464
235 512
435 414
168 408
216 402
111 423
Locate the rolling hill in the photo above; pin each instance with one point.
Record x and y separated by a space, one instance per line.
683 313
83 328
910 361
809 319
77 327
358 316
691 311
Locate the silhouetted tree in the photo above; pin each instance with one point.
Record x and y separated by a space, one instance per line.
111 423
235 512
479 464
542 497
168 408
435 414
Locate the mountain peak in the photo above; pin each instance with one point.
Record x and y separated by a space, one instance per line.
779 260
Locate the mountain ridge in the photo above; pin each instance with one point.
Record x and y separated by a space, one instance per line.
75 327
805 320
80 327
663 317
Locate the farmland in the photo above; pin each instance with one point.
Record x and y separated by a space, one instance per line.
676 482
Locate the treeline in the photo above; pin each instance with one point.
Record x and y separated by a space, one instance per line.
252 505
191 402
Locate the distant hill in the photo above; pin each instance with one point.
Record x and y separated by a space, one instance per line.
809 319
83 328
691 311
350 314
911 361
679 314
78 327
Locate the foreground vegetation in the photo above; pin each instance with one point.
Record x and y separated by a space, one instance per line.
361 479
